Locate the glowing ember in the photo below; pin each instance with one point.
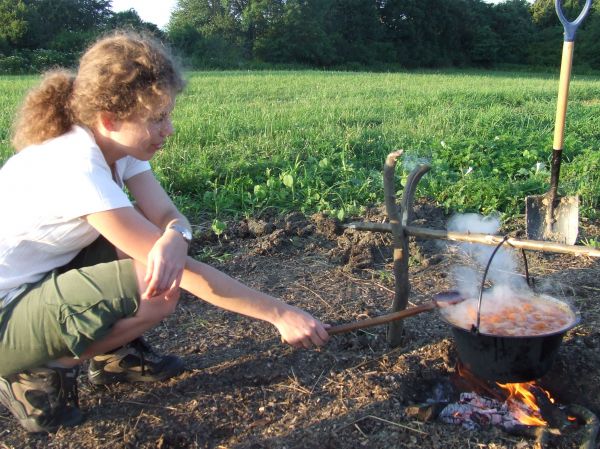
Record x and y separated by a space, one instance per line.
473 412
513 406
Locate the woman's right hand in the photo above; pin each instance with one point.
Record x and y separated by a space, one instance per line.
134 236
165 264
299 329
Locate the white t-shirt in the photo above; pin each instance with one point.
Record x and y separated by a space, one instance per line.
45 189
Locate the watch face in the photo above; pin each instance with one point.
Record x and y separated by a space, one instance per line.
185 232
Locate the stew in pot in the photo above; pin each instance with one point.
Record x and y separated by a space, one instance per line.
512 315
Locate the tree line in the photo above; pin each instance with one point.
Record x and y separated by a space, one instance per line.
38 34
312 33
408 33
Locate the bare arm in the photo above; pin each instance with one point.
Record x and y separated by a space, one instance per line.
167 258
133 234
153 201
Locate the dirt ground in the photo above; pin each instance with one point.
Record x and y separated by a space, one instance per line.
244 389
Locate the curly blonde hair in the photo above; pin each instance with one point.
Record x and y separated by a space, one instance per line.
125 73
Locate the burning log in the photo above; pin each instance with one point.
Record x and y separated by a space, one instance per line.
465 380
524 401
555 417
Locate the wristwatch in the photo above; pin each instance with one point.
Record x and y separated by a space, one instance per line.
185 232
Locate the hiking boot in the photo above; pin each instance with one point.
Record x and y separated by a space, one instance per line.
42 399
134 362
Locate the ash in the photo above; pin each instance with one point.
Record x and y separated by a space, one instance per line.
473 412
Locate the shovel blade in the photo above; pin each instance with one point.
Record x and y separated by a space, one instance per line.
565 224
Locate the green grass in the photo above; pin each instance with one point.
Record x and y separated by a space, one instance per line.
246 142
12 90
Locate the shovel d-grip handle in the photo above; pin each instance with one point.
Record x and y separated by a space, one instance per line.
563 88
571 27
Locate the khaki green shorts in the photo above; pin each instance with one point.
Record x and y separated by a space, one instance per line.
62 314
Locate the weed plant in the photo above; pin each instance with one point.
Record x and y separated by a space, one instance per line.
274 141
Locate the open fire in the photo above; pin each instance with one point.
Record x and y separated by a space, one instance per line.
511 406
523 404
524 409
519 409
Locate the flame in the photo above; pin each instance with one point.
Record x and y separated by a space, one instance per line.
523 403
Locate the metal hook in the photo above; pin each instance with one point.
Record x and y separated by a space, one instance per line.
528 279
475 329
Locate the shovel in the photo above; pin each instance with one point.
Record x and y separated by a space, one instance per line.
550 217
440 300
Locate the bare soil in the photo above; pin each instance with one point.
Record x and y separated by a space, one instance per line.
244 389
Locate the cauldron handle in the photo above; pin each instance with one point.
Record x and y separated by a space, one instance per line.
475 329
528 279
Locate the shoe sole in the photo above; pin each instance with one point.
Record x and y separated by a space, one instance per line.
30 424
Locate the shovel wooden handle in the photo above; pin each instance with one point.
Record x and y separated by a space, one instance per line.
563 94
383 319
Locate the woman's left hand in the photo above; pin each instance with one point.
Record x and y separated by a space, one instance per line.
165 264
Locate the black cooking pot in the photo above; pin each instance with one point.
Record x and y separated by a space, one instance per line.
508 359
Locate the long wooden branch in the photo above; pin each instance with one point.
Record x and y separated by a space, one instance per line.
484 239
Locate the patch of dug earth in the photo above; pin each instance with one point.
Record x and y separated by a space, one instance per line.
244 389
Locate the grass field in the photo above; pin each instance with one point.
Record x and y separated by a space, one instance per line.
309 140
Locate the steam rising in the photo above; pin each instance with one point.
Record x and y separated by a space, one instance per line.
509 307
410 162
504 269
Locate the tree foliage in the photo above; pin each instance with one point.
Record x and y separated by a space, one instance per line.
409 33
12 22
37 34
321 33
